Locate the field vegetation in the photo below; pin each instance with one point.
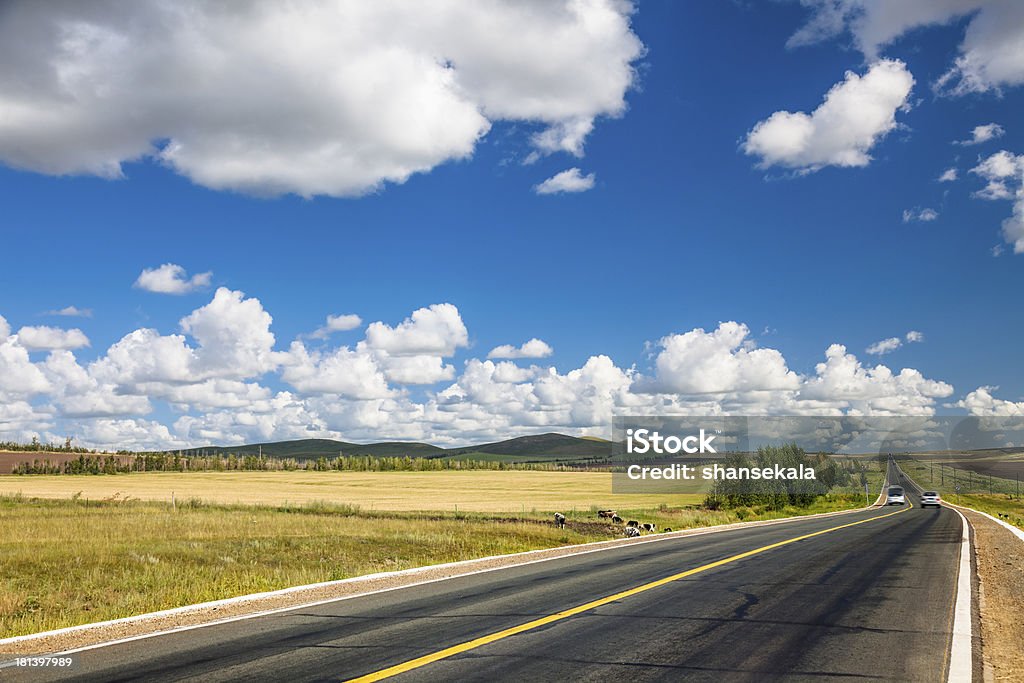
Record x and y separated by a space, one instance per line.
71 561
997 496
77 548
450 490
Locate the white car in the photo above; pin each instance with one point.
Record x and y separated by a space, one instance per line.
930 498
895 496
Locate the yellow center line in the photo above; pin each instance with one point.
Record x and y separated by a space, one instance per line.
594 604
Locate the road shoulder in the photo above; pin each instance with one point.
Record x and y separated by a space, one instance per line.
1000 561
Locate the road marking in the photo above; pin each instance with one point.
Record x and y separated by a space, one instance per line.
961 660
573 611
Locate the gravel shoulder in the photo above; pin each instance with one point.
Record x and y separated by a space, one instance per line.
1000 561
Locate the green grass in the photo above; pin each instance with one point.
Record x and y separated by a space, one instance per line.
999 505
71 561
1003 504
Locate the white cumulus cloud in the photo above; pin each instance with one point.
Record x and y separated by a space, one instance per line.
846 384
342 371
306 97
982 134
854 116
568 181
1001 171
892 343
214 380
948 176
991 54
337 323
233 341
982 402
171 278
435 330
884 346
19 376
535 348
44 338
724 360
1004 176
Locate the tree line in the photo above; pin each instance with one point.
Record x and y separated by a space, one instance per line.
36 446
87 463
775 494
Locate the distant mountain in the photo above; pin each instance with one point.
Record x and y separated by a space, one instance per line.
554 446
541 445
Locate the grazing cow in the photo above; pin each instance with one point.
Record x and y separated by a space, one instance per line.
633 523
632 532
666 530
617 519
559 520
606 514
649 527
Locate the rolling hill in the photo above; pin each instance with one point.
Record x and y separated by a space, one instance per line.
547 445
553 447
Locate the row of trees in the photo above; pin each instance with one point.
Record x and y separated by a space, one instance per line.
37 447
171 462
775 494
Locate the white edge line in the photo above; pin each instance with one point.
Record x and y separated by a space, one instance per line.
683 533
961 658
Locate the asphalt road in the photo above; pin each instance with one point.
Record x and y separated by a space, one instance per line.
870 600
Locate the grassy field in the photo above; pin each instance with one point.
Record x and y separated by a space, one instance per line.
1003 503
73 561
479 491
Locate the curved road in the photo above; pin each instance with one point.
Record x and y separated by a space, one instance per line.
866 595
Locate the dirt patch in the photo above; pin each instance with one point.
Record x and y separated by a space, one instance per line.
1000 557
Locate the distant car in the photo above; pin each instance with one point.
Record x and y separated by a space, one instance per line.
930 498
895 496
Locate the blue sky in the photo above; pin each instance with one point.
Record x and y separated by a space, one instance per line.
683 229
